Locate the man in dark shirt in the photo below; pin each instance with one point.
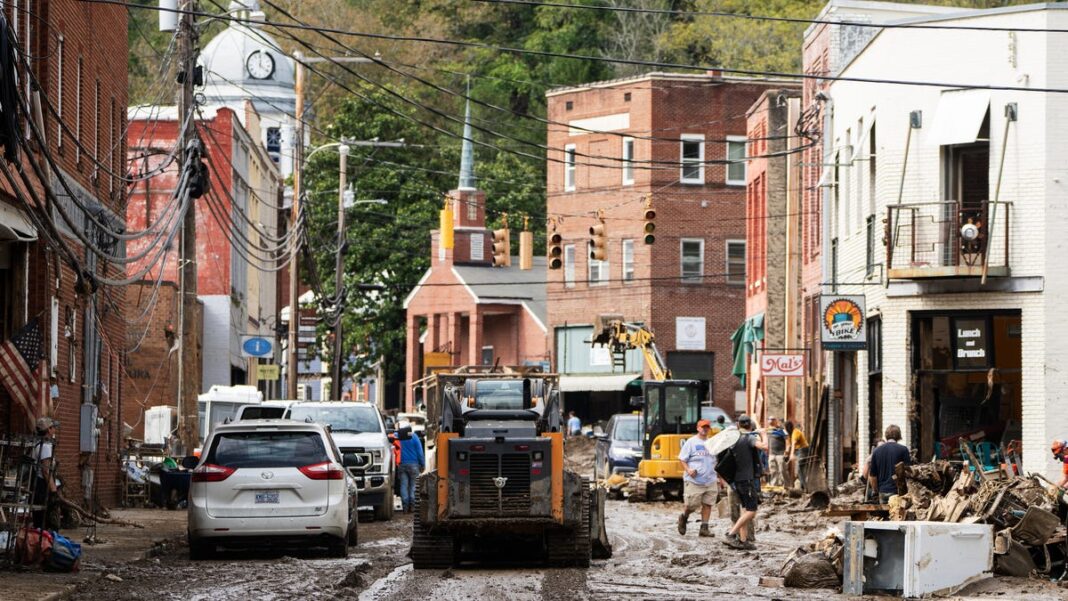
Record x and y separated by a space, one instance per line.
883 460
745 481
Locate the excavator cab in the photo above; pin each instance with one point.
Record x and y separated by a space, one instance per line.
670 412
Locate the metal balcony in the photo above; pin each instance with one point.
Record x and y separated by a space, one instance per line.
948 239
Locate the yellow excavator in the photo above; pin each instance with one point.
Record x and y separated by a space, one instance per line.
670 410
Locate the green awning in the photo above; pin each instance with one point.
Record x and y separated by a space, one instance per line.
742 341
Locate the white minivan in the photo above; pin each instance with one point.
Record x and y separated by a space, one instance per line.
270 481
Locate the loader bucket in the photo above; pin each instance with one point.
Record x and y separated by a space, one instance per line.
599 545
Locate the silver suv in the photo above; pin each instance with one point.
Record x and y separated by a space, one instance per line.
366 452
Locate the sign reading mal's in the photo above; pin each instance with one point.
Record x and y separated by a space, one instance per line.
842 323
788 365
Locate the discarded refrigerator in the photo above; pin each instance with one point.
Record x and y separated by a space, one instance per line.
915 559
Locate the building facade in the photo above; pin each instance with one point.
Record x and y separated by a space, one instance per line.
675 144
82 94
943 217
237 218
466 311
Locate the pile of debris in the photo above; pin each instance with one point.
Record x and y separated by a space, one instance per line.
1028 517
815 565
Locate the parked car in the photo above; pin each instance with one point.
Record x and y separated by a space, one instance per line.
713 414
270 481
367 454
619 448
416 420
264 410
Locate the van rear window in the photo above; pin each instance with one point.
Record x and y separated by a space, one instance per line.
267 449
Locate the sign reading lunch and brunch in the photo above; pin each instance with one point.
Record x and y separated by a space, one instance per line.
842 322
785 365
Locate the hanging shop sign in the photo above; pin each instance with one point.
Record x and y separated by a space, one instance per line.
268 372
783 365
842 322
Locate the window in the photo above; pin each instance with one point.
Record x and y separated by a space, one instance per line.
692 159
628 158
598 270
870 254
569 168
96 130
626 96
78 113
569 105
736 156
472 210
692 259
569 266
875 345
628 260
736 261
268 449
274 143
59 93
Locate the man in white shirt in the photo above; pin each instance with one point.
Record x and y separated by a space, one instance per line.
44 488
700 481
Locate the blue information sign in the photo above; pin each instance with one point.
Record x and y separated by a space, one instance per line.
256 346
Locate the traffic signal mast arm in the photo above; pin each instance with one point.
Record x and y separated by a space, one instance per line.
621 336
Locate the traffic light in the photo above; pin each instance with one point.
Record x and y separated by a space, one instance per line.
598 242
502 248
556 250
650 226
445 224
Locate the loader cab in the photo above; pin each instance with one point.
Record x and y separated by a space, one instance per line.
670 407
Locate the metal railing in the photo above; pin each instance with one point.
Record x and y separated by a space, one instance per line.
948 239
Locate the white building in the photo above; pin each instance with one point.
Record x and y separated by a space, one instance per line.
964 334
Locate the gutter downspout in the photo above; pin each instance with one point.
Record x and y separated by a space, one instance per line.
825 265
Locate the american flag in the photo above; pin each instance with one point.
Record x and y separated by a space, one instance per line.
16 358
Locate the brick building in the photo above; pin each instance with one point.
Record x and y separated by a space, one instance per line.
772 238
676 143
828 48
239 212
465 311
962 242
83 324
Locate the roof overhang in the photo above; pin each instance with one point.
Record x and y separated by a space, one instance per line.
597 383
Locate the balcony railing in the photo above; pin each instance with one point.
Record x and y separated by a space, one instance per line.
948 239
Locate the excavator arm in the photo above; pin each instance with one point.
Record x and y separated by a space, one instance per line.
621 337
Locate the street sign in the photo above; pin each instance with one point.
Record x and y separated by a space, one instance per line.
784 365
842 322
256 346
267 372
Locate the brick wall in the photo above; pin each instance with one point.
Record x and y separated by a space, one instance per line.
661 107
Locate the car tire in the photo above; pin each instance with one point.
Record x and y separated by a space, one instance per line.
384 512
353 537
338 549
199 551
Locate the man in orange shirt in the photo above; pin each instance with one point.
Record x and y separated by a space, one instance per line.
1060 453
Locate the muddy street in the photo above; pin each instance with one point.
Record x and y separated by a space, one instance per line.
651 561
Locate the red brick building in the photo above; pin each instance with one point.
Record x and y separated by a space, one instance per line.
240 211
465 311
677 143
82 322
772 238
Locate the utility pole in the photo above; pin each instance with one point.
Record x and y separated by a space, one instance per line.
188 324
294 259
339 348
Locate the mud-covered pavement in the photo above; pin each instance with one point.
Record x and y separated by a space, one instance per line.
651 561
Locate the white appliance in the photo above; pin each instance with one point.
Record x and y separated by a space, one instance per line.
915 559
160 422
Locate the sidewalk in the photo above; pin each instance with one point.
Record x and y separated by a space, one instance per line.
122 545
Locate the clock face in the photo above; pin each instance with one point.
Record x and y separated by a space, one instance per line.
260 65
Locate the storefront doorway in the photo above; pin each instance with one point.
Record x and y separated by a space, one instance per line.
967 380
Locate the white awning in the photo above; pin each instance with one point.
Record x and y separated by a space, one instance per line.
605 383
14 225
959 116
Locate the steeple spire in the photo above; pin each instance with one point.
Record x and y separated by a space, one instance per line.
467 152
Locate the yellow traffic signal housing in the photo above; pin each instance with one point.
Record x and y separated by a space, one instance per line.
598 242
502 248
556 251
445 224
650 226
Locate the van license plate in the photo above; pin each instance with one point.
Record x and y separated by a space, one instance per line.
270 496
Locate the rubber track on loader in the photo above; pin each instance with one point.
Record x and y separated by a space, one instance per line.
571 548
429 550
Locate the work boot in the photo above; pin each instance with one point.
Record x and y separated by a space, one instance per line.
682 523
704 530
734 543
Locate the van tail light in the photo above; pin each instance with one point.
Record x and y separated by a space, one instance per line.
209 472
326 470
